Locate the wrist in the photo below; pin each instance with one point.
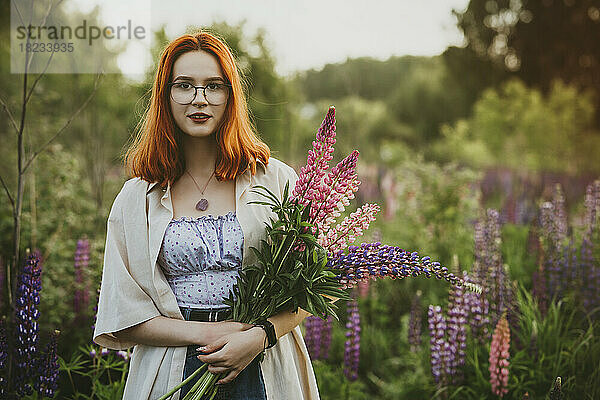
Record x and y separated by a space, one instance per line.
269 330
204 332
261 335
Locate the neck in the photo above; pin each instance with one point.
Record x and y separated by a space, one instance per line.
200 155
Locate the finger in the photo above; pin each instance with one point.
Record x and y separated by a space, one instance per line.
221 363
230 377
212 352
217 369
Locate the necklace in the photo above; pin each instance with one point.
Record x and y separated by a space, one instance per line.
201 205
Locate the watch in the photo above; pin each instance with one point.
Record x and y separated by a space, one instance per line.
269 329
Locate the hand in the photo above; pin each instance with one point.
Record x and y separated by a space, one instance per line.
222 328
231 353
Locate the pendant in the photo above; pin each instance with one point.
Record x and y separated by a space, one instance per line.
202 205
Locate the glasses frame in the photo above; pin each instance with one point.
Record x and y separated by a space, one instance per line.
170 84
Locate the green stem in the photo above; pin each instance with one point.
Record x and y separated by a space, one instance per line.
188 379
207 382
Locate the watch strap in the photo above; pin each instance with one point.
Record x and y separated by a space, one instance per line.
270 331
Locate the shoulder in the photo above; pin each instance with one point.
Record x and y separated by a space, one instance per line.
132 192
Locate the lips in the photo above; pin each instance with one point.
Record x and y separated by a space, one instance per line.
198 116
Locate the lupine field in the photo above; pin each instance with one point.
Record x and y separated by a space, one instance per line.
530 333
482 158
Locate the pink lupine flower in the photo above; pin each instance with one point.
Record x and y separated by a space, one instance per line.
346 232
499 356
336 190
309 180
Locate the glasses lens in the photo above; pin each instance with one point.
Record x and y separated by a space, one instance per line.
216 94
182 93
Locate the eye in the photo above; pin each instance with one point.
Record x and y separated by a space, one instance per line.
182 85
213 86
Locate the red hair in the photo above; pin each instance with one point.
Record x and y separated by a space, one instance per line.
156 154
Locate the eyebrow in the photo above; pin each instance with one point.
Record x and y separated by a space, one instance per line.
188 78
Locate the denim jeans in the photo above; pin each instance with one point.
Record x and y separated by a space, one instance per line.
248 385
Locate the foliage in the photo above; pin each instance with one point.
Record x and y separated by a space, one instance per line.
518 127
529 38
88 375
437 212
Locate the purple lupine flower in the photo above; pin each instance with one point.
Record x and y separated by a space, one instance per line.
477 307
456 330
318 336
81 297
589 269
539 289
414 325
123 354
553 222
479 266
437 330
3 357
497 279
312 337
92 353
47 383
104 351
569 263
375 260
326 338
352 345
27 314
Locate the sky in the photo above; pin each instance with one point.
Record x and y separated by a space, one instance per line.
311 33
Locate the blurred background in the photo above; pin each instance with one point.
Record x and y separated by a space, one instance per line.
467 115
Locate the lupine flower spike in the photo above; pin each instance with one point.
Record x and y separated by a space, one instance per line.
437 329
499 355
81 297
375 260
47 383
414 326
352 345
27 314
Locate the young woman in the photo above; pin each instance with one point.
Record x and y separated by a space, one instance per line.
180 230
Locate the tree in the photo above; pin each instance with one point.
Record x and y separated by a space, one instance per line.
539 41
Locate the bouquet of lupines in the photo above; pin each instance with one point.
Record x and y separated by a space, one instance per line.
302 262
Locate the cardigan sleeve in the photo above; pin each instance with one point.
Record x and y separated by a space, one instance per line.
122 302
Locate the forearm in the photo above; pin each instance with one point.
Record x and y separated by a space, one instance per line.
164 331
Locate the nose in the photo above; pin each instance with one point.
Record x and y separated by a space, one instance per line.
199 98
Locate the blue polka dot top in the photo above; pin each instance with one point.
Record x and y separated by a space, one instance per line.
201 258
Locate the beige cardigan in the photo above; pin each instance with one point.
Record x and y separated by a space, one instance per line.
135 290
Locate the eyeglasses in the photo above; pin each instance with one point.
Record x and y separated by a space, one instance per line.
184 93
